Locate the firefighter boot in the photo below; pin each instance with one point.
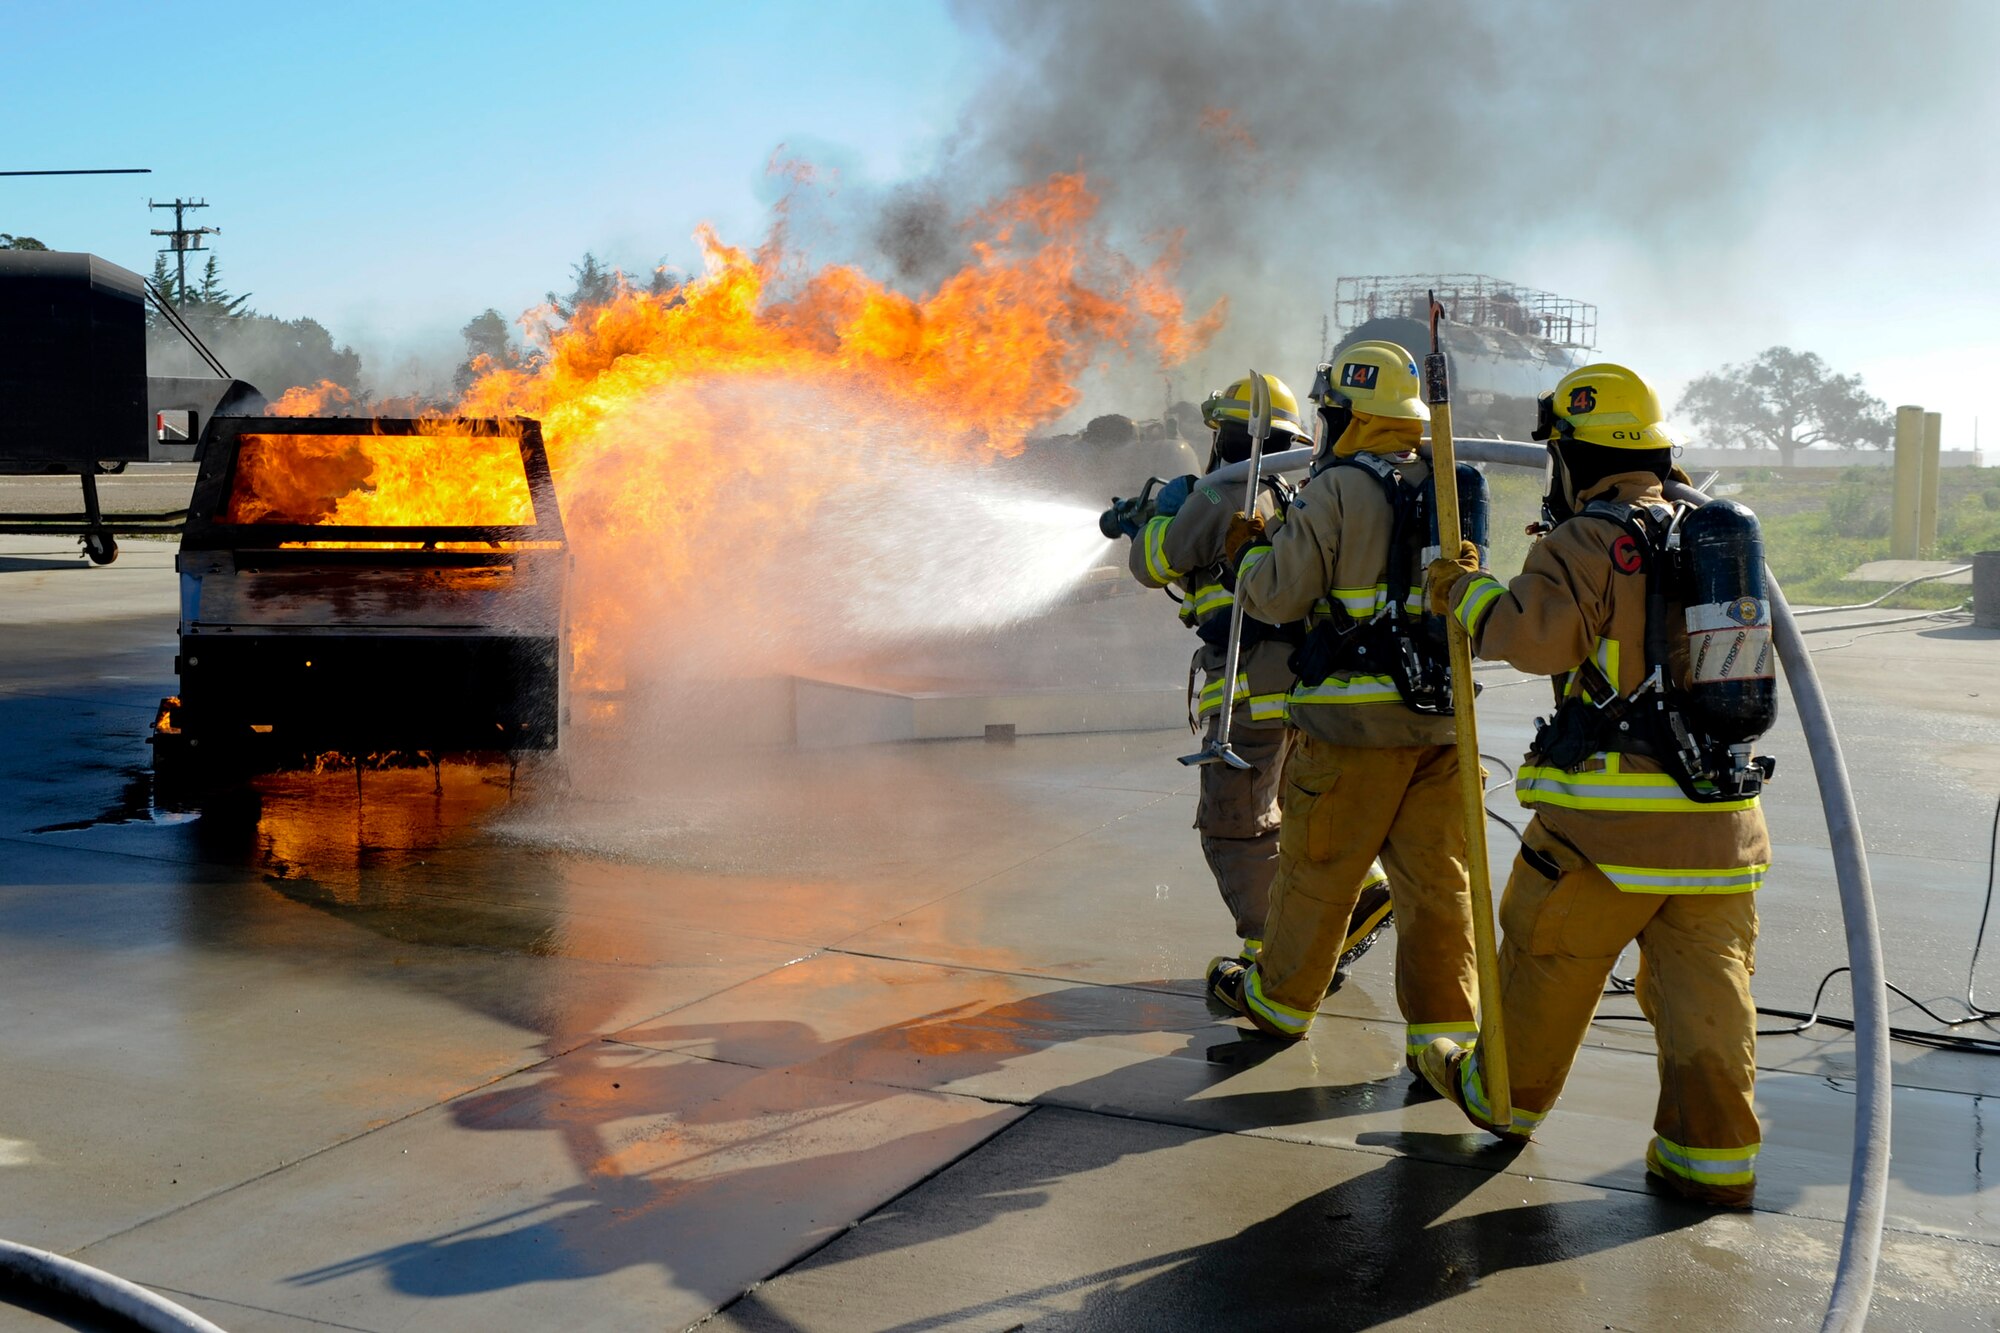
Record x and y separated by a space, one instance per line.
1443 1065
1370 918
1224 994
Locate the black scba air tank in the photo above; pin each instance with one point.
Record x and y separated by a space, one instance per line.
1475 510
1732 676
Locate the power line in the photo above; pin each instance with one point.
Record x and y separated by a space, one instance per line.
86 171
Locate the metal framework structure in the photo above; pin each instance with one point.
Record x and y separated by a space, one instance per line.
1470 299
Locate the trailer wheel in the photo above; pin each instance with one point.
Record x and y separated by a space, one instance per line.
100 546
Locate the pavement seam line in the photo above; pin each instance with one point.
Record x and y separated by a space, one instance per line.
549 1058
1022 1119
260 1309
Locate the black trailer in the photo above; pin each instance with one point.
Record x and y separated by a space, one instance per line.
75 398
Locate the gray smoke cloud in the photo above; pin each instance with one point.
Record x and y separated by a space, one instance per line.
1545 143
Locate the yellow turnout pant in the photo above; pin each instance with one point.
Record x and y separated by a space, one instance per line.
1344 806
1696 954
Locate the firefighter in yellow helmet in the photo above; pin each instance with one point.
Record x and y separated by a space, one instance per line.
1181 546
1373 769
1638 833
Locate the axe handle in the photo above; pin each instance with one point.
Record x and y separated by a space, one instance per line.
1471 791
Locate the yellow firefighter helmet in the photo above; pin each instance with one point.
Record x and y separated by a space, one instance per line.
1604 404
1378 379
1233 404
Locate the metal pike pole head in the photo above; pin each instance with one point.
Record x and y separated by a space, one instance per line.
1218 751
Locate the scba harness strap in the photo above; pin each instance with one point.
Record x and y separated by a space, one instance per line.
1409 646
1659 719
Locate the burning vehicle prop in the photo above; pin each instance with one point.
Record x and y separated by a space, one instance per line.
335 600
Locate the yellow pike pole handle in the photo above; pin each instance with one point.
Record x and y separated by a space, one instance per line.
1472 793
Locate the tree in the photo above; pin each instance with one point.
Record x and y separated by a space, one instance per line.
489 345
212 299
1786 400
593 283
205 304
9 241
273 354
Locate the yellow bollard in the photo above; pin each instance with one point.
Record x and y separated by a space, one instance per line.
1909 479
1927 487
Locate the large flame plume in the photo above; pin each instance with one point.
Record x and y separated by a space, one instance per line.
697 435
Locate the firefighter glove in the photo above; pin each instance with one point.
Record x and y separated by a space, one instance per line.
1173 495
1242 532
1445 573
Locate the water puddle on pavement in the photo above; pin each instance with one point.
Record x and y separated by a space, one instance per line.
133 806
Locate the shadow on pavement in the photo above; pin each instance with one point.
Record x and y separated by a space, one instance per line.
1367 1251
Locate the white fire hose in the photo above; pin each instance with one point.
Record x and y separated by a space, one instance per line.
1868 1180
94 1287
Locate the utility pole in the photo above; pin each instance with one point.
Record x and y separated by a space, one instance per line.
183 238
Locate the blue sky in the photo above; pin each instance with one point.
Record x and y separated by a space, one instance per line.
393 169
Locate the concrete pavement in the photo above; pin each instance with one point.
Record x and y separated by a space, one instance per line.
899 1036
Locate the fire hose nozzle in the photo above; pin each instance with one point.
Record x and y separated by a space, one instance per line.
1125 516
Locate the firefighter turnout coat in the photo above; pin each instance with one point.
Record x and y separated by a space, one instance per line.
1617 853
1184 550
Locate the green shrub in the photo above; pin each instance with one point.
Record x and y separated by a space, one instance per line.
1857 510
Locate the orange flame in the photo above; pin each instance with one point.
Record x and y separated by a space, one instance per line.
692 433
324 399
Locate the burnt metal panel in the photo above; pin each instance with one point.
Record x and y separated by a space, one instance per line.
294 696
73 379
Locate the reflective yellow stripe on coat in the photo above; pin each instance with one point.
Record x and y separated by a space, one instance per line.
1611 789
1153 540
1650 879
1480 594
1209 599
1351 690
1263 707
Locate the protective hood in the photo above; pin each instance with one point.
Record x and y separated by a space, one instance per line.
1378 435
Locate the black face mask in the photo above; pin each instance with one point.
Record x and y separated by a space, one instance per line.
1232 444
1575 466
1337 415
1556 490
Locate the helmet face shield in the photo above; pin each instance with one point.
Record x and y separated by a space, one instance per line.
1547 423
1322 388
1557 504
